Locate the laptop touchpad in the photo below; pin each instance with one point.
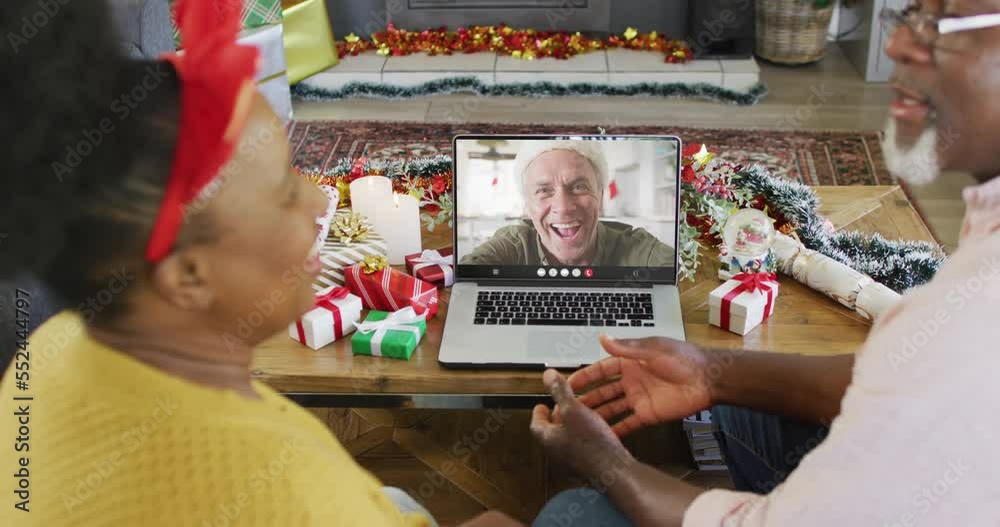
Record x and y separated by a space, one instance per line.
557 348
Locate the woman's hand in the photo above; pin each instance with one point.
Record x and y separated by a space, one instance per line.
646 381
576 436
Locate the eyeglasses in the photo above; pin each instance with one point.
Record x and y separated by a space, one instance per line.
927 27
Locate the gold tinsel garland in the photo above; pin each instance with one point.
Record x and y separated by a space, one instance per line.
525 44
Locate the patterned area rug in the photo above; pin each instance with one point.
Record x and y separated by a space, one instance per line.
810 157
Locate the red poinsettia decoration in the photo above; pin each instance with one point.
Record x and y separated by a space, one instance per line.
357 169
709 192
438 184
688 174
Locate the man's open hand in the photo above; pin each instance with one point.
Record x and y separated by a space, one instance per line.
644 382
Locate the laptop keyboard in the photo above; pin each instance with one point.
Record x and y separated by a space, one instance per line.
559 308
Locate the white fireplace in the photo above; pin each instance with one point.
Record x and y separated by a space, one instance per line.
719 31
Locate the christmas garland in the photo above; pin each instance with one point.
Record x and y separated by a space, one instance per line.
427 179
711 190
525 44
474 86
426 168
899 265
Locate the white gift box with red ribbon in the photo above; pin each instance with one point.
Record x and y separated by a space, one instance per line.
336 313
743 303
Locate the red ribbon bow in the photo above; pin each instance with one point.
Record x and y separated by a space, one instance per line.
337 293
748 282
325 301
755 281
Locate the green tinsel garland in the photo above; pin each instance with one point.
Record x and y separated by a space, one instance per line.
423 167
899 265
474 86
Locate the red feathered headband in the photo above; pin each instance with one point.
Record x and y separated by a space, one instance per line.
216 88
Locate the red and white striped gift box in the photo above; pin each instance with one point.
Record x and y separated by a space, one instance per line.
391 290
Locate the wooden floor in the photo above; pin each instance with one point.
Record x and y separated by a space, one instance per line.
828 95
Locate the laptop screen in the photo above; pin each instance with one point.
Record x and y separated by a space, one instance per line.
573 209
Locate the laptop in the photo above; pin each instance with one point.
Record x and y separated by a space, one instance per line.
559 239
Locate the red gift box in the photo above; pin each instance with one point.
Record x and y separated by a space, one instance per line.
391 290
436 267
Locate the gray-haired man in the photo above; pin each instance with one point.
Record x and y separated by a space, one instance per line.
563 187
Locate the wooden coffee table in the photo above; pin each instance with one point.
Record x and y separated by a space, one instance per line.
804 322
398 418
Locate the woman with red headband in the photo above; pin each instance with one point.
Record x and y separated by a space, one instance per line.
157 199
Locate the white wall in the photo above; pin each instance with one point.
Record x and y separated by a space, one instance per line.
863 38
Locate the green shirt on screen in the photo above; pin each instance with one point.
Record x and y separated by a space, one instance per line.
618 244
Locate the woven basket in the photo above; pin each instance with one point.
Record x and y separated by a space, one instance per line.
792 31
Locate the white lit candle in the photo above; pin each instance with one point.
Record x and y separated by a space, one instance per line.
367 192
398 221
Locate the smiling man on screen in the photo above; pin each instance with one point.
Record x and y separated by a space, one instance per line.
563 183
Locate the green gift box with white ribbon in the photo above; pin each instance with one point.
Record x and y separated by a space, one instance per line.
393 335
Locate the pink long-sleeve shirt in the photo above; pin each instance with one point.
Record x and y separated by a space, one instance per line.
915 443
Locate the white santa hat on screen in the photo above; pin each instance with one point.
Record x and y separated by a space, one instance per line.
591 150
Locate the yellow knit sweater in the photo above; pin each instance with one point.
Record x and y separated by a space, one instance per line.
115 442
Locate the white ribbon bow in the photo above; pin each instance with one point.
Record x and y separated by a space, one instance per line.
396 321
429 258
